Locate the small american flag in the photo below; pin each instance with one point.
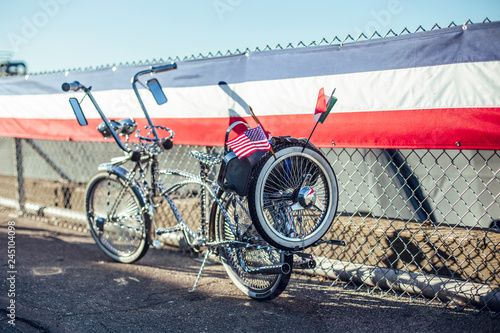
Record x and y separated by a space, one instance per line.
249 142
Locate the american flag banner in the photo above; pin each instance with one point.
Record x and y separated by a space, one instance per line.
429 90
249 142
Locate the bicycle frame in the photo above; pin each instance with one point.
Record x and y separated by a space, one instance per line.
152 191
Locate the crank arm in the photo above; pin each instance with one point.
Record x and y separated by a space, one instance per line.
303 255
168 230
283 268
335 242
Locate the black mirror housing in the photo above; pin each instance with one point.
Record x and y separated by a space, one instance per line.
78 111
157 91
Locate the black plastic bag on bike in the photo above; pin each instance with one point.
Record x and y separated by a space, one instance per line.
234 174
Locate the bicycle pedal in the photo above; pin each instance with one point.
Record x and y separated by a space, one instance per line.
304 264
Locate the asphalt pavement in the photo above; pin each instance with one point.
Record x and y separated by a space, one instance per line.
57 280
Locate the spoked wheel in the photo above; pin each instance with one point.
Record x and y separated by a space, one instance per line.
117 220
293 198
241 262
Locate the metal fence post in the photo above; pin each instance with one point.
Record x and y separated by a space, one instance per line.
411 186
20 175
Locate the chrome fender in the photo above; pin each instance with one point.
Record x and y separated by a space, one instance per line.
139 189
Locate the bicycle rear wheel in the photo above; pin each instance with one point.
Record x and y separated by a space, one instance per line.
237 261
293 198
117 220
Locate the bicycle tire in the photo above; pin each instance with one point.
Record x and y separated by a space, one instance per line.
261 287
121 235
293 198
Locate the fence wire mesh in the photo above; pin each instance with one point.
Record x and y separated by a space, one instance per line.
416 222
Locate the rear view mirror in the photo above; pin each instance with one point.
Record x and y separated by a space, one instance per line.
155 88
78 111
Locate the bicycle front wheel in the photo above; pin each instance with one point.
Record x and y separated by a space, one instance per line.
117 219
293 198
240 261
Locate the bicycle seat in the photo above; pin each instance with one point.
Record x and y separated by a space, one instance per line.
205 158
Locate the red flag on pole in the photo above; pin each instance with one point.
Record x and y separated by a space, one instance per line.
320 104
323 107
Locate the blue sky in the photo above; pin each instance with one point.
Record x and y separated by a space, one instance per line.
64 34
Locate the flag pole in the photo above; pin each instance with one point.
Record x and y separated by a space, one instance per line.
324 114
309 138
258 122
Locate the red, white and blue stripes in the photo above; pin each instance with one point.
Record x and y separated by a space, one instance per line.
249 142
436 89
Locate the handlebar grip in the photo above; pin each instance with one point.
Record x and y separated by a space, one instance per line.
167 144
163 68
73 86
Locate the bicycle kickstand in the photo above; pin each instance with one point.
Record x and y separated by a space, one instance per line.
201 270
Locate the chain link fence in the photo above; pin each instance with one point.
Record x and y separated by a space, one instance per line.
417 223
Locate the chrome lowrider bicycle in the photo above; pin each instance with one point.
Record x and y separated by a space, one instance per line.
263 213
